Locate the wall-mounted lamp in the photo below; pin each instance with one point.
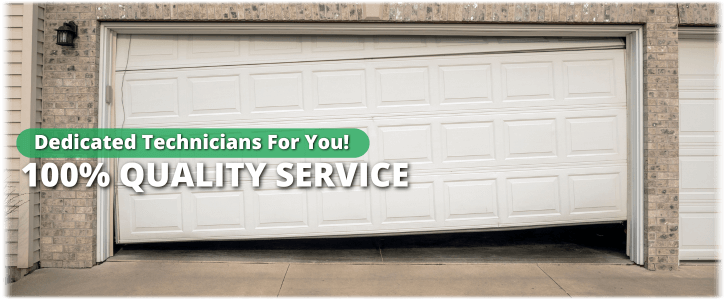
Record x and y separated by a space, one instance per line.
67 33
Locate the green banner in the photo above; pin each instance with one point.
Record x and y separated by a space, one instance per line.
193 142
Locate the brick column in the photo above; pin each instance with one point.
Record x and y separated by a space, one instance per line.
70 100
661 136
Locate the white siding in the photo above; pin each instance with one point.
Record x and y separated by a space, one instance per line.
22 93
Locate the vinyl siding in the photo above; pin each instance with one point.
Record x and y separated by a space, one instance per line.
18 89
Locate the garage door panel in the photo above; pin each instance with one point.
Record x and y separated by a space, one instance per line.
402 86
530 138
699 197
414 204
698 123
342 89
528 81
152 98
282 208
207 47
458 200
155 214
491 140
564 194
410 143
382 88
158 213
218 211
589 79
701 233
342 206
470 199
170 51
215 95
468 141
266 94
503 140
465 84
595 193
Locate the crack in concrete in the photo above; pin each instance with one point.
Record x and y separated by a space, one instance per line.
548 275
283 280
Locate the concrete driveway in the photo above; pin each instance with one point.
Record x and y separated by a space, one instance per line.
372 279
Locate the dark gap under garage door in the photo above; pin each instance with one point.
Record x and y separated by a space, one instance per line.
601 243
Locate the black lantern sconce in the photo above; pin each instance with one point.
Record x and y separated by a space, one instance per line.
67 33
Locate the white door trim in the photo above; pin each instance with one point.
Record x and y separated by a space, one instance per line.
634 75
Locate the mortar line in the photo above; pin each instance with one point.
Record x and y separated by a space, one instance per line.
283 280
548 275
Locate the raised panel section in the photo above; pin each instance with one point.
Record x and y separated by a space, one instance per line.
466 84
412 204
698 116
218 210
337 43
698 233
468 141
345 206
282 209
592 136
216 45
153 98
528 82
533 196
339 89
467 200
698 230
277 92
215 95
594 193
589 79
156 213
406 143
402 86
275 44
530 138
153 47
698 172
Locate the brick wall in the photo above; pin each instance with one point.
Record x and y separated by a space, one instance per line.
70 82
661 135
71 96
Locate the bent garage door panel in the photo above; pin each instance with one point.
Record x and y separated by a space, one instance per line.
493 140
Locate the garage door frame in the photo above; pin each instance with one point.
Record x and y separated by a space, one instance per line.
634 81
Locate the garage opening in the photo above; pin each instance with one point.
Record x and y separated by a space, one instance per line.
499 132
595 243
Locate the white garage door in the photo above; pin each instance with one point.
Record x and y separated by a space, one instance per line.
698 88
498 132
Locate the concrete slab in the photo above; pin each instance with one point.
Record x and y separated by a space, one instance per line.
154 279
419 280
150 278
612 280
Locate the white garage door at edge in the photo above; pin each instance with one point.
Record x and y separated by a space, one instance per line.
498 132
698 157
